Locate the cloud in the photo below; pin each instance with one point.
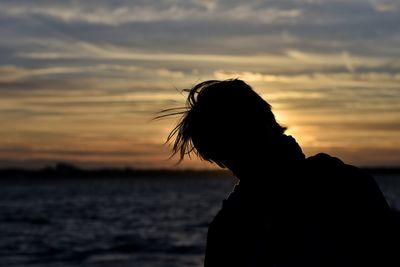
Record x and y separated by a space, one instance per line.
289 59
231 27
340 78
93 72
99 15
209 4
386 6
13 73
149 12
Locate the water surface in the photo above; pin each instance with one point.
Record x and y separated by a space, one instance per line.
157 222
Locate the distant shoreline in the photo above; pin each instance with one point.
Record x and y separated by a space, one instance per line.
65 170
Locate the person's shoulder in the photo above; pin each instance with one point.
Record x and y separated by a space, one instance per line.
334 165
323 159
335 173
347 179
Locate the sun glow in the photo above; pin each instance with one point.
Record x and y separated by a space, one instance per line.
81 82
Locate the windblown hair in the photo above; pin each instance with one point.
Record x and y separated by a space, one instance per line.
218 114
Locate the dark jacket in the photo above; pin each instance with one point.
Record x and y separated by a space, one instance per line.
319 212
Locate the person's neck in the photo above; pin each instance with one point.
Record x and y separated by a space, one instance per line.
269 161
257 168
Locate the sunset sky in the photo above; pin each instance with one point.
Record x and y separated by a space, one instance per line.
80 81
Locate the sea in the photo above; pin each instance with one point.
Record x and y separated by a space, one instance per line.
138 222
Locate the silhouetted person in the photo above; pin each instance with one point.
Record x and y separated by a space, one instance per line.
287 210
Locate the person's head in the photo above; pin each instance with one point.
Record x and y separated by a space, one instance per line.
224 121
